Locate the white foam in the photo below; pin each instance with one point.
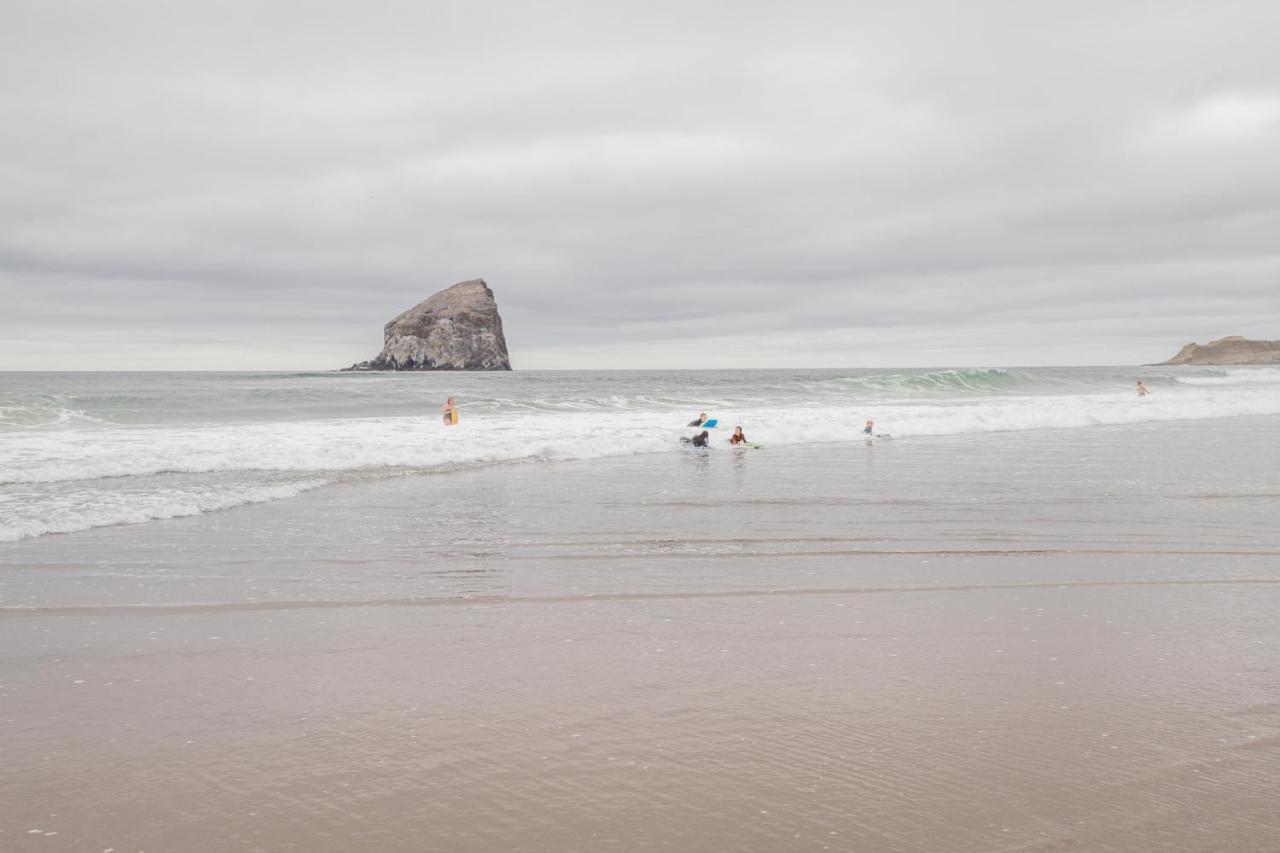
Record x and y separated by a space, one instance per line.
83 509
364 443
1233 376
88 475
43 413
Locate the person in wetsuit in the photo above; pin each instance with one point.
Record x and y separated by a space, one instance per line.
702 439
702 419
738 437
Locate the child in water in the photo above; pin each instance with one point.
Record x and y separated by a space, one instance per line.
1142 389
869 428
737 437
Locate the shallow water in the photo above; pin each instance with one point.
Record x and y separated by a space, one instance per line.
1030 640
90 450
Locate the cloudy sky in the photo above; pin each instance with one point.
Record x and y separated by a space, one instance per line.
240 185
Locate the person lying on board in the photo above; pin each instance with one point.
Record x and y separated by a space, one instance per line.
738 437
702 439
702 419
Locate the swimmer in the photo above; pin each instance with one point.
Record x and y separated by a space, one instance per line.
737 437
1142 389
702 419
869 428
702 439
449 411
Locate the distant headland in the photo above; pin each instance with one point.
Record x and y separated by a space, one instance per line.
1229 350
456 329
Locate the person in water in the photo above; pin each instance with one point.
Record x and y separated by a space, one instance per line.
1142 389
702 439
448 410
738 437
869 429
702 419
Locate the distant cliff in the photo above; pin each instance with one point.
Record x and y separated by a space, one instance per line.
456 329
1229 350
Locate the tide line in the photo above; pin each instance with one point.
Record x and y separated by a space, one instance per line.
589 598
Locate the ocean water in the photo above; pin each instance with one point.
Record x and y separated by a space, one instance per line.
84 450
1041 617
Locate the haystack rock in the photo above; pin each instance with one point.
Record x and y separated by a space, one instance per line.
456 329
1229 350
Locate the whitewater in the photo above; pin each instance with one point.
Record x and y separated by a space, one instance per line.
82 450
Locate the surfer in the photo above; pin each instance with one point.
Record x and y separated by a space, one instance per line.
450 412
738 437
702 439
869 428
702 419
1142 389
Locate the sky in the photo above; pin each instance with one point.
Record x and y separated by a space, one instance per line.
254 185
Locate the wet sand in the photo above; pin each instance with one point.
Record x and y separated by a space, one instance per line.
903 647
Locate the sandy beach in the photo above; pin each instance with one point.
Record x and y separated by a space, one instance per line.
904 646
667 428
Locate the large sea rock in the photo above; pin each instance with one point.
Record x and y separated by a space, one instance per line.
1229 350
456 329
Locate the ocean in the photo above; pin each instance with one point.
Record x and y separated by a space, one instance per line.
274 611
81 450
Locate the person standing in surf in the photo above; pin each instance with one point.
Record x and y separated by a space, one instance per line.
1142 389
869 428
450 412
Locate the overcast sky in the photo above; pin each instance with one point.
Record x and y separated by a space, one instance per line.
239 185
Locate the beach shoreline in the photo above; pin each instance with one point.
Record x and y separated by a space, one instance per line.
913 645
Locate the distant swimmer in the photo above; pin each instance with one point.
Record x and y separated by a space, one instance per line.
450 412
1142 389
738 437
870 428
702 419
702 439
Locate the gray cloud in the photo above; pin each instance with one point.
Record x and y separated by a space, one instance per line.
263 185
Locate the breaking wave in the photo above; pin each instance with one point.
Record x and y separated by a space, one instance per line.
60 473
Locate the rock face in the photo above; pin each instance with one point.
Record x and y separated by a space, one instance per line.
456 329
1229 350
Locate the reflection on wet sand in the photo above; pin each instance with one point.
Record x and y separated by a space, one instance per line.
695 661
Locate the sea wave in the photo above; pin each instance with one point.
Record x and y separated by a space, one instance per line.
979 380
421 443
1232 376
90 473
43 413
70 511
